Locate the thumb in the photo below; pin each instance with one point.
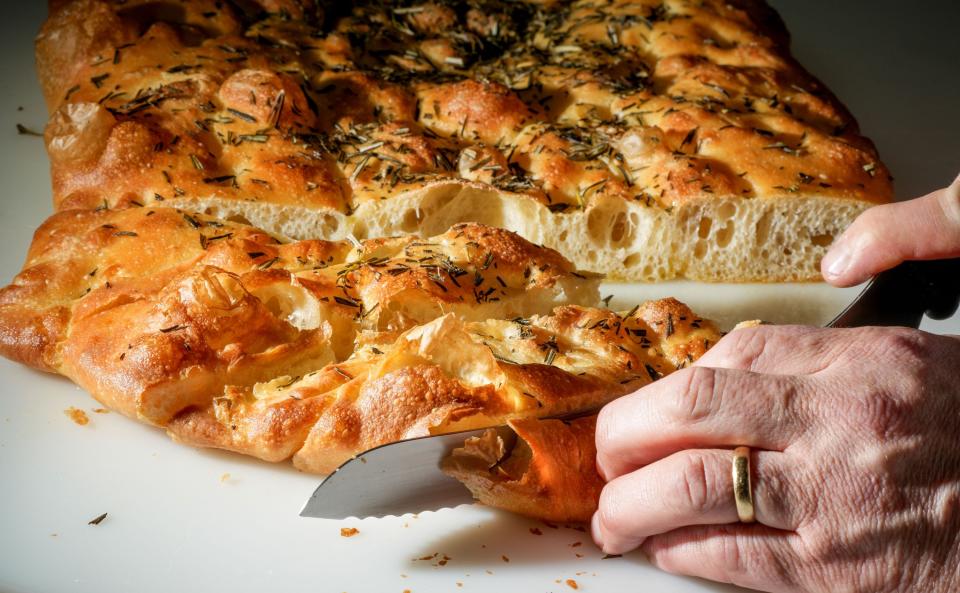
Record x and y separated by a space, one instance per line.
884 236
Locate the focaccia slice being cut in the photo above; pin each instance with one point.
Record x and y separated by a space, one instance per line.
547 469
155 311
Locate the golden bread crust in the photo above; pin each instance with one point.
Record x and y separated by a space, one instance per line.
346 112
449 375
154 310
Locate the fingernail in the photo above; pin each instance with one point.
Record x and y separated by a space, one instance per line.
836 262
595 530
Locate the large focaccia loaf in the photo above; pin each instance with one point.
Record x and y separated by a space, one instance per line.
314 350
645 140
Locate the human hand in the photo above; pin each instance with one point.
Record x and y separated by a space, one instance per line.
884 236
856 462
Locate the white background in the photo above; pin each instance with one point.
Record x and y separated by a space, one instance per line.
175 525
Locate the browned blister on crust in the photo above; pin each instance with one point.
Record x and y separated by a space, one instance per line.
644 140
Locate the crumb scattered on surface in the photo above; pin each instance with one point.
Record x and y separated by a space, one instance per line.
97 520
488 571
348 531
572 584
536 531
441 559
78 416
609 556
53 535
505 559
576 544
101 411
459 584
225 477
25 131
579 555
551 525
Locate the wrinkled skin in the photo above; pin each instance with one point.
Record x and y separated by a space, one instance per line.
855 437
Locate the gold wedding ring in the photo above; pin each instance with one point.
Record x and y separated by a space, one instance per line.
742 492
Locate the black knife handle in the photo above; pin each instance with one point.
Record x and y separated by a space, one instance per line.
903 295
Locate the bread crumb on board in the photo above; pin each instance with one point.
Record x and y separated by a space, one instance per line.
224 477
97 520
572 584
348 531
78 416
536 531
101 411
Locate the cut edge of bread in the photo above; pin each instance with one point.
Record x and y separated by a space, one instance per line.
723 239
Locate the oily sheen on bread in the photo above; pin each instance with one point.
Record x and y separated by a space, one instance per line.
313 350
645 140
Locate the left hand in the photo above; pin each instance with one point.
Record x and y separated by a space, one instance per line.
855 437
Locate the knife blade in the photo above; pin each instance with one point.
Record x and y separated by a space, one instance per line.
392 479
405 476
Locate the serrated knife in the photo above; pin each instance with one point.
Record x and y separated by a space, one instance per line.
405 477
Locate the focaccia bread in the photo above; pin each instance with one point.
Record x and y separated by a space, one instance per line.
155 310
645 140
548 469
548 472
230 337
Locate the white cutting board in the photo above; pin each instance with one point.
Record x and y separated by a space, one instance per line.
188 520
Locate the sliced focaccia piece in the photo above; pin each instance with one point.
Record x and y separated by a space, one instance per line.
546 469
450 375
153 310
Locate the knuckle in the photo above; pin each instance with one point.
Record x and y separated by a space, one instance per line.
745 562
692 488
728 550
697 395
904 345
743 348
610 512
874 413
604 429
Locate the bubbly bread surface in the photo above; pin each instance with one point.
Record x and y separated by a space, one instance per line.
643 140
315 350
154 310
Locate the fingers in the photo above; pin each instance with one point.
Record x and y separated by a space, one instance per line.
698 407
691 488
883 236
774 349
752 556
